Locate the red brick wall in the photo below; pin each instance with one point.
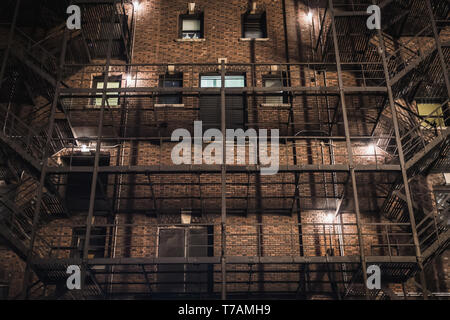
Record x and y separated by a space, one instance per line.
156 35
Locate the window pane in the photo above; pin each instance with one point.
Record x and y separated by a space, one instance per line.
197 276
274 83
171 277
254 26
111 101
171 98
216 81
210 111
253 34
96 244
171 243
434 113
191 25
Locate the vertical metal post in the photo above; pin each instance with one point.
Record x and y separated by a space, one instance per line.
402 164
44 163
10 39
349 148
439 47
224 179
97 151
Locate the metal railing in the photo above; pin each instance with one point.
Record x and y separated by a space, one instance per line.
305 75
418 137
20 134
246 239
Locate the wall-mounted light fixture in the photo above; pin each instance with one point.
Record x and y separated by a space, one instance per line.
171 69
329 217
186 216
191 7
136 5
371 149
254 7
220 60
447 178
274 68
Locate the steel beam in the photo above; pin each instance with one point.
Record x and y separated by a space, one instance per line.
402 160
44 163
349 147
215 91
203 168
97 152
223 182
283 260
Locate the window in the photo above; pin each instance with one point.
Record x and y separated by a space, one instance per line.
215 81
97 242
210 112
191 26
113 82
254 26
184 242
275 81
78 188
447 179
432 114
171 81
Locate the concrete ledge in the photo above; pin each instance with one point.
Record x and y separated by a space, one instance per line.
275 105
256 39
162 105
190 40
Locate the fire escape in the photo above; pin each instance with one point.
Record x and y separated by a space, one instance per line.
30 106
391 74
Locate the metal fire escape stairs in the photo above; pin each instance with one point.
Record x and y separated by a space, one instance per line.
413 72
34 64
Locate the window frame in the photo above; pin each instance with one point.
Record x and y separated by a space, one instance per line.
438 120
277 76
101 79
243 96
78 234
105 160
262 22
195 16
175 77
210 248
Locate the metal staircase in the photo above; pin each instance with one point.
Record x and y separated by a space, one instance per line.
423 145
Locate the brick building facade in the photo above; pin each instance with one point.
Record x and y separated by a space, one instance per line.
342 199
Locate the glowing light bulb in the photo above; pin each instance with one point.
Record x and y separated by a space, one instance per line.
310 15
329 218
84 148
136 5
371 148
